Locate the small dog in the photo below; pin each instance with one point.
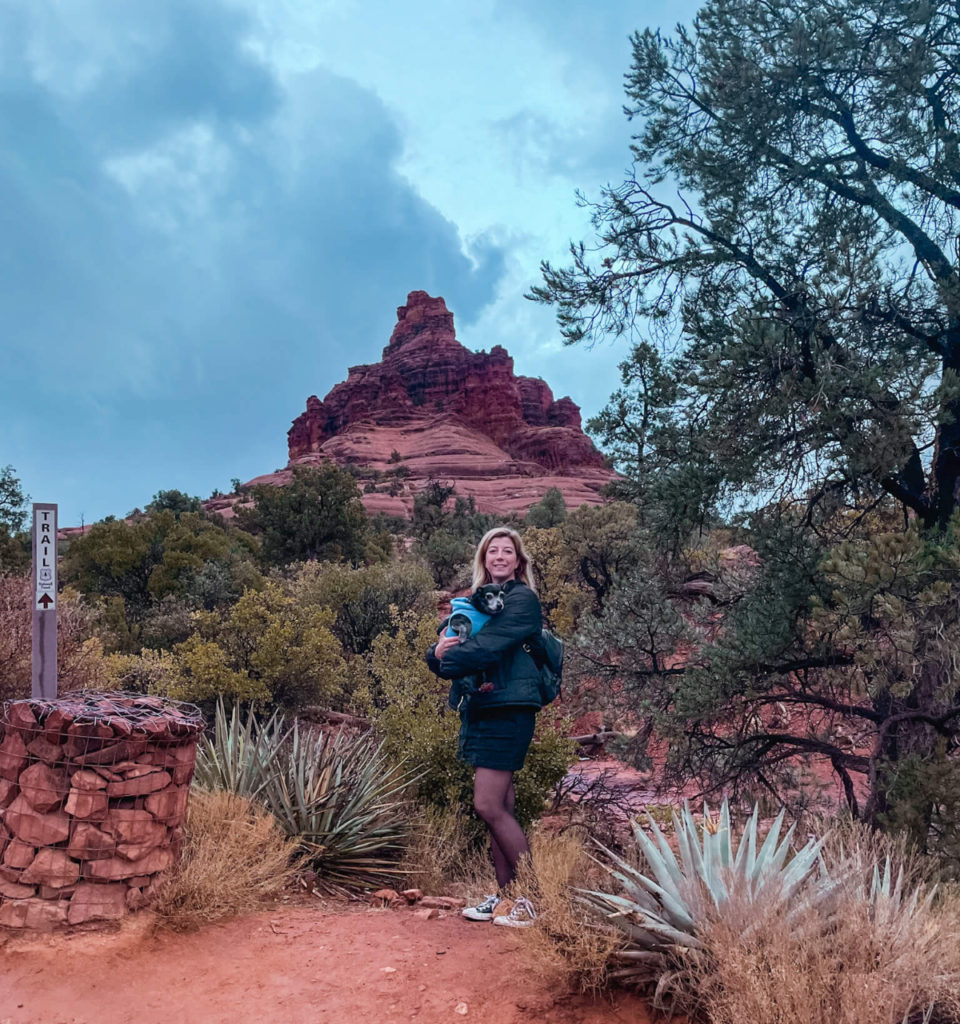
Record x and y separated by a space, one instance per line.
488 600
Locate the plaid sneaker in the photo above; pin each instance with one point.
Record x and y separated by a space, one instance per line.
483 911
521 915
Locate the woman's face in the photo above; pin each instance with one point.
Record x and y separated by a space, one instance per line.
501 560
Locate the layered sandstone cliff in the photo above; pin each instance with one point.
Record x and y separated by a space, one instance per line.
442 412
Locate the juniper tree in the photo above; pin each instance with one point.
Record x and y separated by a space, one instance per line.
13 502
788 234
317 515
14 543
550 510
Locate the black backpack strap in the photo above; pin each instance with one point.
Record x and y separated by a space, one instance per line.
534 647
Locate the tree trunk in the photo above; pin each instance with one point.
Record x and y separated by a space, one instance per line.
902 738
946 457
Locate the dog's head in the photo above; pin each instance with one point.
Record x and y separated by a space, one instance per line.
488 598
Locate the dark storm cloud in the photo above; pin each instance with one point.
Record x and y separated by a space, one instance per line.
190 246
594 40
178 62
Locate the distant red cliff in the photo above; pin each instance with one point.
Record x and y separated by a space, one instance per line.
449 414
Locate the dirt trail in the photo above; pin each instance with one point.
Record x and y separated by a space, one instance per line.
297 965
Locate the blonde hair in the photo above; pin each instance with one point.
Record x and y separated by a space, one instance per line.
524 571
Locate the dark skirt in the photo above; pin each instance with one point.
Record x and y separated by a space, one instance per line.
496 737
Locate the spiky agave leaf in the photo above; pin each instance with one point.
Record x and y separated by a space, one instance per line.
241 756
887 899
344 802
659 914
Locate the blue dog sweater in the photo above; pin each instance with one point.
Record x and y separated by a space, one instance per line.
477 618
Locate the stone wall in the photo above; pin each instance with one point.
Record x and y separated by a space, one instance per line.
93 795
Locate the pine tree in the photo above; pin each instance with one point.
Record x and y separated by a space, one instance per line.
785 249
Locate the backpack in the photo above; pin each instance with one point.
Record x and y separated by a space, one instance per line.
547 652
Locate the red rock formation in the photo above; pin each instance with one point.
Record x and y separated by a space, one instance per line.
451 414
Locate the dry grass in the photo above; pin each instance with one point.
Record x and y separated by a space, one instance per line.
440 857
860 971
853 847
566 946
236 860
849 961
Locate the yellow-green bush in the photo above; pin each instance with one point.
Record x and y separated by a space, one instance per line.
266 647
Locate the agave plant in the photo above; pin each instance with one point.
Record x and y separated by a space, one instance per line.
344 801
659 916
241 756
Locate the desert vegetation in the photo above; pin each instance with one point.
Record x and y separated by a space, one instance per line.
787 418
782 257
767 603
177 602
723 922
236 860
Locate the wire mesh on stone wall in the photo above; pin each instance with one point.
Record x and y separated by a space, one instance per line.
93 796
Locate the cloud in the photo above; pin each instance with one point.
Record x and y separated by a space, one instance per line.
183 230
599 34
590 153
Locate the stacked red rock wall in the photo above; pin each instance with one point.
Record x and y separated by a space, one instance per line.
93 795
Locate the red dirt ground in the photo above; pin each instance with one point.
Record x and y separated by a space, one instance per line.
295 965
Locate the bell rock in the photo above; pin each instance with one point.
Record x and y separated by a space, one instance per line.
448 414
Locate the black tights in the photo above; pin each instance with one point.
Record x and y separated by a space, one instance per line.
493 800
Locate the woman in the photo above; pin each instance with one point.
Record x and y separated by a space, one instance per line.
497 689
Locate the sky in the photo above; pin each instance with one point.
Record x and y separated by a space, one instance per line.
210 209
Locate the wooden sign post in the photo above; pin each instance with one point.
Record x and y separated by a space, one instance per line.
44 592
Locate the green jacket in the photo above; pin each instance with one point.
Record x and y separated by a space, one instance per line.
495 654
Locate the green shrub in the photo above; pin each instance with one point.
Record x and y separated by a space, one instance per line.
446 554
266 647
550 511
445 537
186 556
361 598
317 515
924 805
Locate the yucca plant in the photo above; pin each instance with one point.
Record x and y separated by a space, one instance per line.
660 915
242 756
345 803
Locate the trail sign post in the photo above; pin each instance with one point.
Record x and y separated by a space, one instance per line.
44 592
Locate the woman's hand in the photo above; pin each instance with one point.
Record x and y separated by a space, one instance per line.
444 644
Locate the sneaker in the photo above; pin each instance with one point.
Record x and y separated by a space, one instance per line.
521 915
483 911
